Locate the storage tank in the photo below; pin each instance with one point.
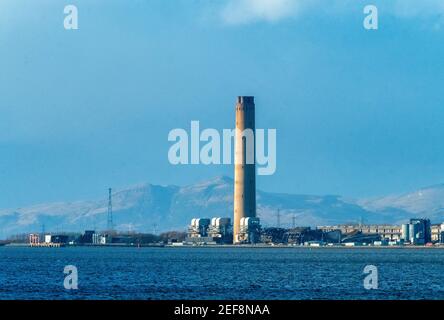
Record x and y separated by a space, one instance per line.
414 232
405 232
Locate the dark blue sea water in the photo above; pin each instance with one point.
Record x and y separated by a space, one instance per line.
220 273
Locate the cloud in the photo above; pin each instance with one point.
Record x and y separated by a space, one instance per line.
429 12
414 8
246 11
237 12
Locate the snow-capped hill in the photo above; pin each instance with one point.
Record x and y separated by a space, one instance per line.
144 207
425 202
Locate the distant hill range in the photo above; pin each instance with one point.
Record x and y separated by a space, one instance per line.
147 207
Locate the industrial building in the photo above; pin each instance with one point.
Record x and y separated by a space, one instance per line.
221 229
299 236
437 233
249 230
87 237
417 232
56 238
360 232
99 239
441 234
198 227
205 231
34 239
49 241
359 237
274 235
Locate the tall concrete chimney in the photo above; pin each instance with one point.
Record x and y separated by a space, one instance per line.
244 163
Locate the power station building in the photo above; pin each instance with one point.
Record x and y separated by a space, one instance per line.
210 231
246 226
245 222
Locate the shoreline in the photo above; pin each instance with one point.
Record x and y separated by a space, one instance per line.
244 246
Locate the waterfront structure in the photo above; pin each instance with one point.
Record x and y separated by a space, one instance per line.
244 165
87 237
205 231
59 238
416 232
419 231
276 235
360 237
441 235
56 238
405 232
435 233
98 239
123 239
249 230
34 239
221 229
48 238
198 227
384 231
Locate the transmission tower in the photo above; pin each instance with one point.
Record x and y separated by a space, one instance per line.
155 228
279 218
361 221
110 225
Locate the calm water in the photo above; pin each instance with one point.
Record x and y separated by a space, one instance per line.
220 273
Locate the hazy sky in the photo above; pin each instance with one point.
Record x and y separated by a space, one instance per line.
358 113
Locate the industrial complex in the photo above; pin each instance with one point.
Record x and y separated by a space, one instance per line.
219 231
418 232
244 227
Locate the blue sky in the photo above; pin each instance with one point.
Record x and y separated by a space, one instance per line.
358 113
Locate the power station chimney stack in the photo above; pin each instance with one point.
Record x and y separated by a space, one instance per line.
244 164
